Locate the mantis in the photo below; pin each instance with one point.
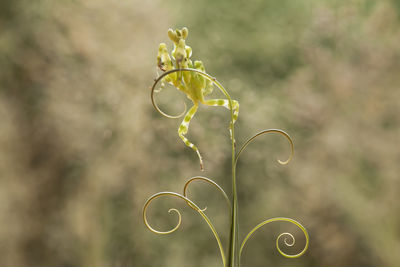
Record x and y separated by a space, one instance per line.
194 85
190 78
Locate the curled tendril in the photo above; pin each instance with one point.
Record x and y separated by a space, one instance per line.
285 239
205 179
193 206
289 244
155 104
265 132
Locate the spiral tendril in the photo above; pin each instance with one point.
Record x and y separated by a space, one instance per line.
193 206
205 179
285 239
265 132
153 90
289 244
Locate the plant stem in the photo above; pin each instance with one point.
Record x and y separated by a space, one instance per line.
233 260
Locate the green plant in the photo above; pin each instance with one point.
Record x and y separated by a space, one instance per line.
191 78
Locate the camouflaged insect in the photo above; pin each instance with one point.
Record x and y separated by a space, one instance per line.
194 85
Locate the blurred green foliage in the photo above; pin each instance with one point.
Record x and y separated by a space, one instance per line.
82 148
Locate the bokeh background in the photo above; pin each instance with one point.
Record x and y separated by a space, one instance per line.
82 148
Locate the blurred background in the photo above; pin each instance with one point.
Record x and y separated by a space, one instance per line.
82 147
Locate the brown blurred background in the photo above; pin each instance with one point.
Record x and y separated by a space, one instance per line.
82 148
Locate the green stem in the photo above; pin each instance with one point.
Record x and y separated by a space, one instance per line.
233 260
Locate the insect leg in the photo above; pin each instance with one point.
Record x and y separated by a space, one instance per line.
225 103
183 129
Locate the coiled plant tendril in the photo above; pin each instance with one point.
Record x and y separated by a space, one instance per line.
191 78
208 180
153 101
193 206
293 240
